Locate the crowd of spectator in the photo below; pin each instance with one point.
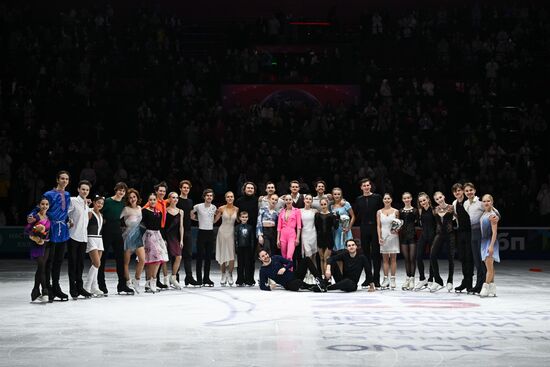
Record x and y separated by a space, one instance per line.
447 95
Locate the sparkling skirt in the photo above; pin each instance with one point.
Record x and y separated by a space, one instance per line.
133 238
155 248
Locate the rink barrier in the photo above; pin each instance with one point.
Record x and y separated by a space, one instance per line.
515 242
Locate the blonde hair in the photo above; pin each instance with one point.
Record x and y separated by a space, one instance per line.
172 193
341 195
490 197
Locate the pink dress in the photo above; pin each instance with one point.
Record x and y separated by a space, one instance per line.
287 228
155 248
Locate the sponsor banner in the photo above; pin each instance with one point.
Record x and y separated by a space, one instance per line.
515 242
14 242
524 242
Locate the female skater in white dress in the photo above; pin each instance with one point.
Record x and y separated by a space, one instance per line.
225 241
388 239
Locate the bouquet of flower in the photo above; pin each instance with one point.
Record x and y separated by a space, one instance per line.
344 223
395 226
344 220
38 234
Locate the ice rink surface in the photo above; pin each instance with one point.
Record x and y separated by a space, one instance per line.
248 327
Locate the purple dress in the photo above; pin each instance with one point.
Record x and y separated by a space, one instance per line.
172 232
36 249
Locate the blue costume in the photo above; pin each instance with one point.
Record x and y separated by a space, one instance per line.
339 237
486 234
266 216
58 214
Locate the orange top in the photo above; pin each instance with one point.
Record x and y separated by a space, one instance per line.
161 207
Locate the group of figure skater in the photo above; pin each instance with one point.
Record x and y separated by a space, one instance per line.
292 235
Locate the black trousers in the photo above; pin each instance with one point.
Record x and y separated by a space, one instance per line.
476 255
441 240
76 251
252 259
40 279
423 241
187 254
270 241
344 283
54 262
297 256
112 239
371 249
205 246
298 282
244 270
464 248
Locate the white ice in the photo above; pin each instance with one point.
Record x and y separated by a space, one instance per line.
248 327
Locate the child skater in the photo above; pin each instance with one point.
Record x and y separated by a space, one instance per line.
244 243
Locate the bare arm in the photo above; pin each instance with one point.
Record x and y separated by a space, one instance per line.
219 213
279 239
352 219
237 216
298 225
494 226
182 230
379 228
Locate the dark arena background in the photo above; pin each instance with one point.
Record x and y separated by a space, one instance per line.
240 96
